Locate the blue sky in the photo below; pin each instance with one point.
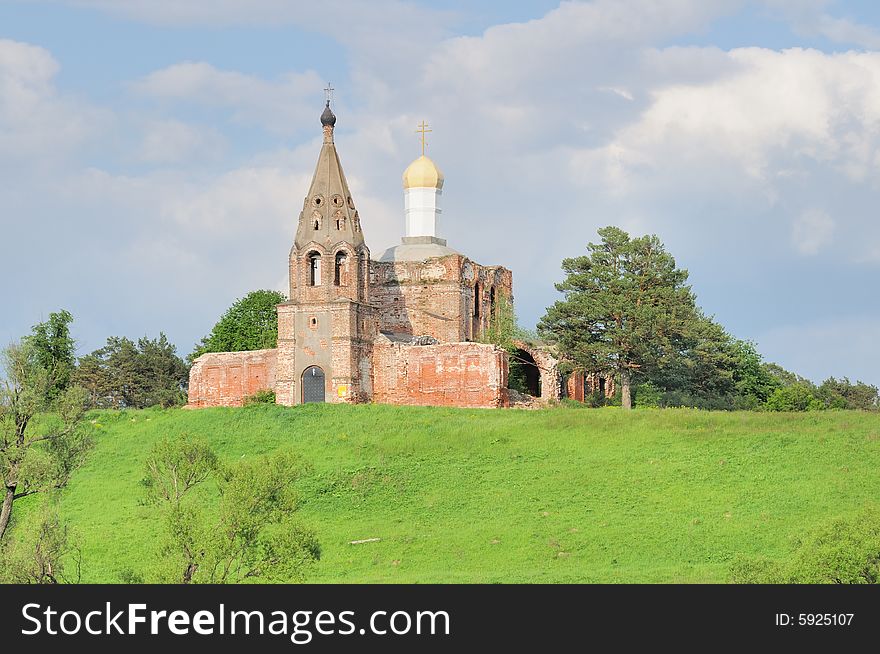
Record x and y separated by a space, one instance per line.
154 153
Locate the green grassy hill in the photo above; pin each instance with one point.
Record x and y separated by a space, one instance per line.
558 495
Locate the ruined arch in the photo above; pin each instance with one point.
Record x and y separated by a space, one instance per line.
531 361
524 375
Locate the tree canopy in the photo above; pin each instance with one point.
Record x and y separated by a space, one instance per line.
125 374
252 533
251 323
54 350
627 308
36 456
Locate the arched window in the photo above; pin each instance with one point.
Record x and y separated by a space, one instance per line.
477 300
492 302
340 278
314 269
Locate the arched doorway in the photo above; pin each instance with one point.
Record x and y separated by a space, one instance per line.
313 385
524 375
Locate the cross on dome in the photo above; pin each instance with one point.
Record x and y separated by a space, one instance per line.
422 130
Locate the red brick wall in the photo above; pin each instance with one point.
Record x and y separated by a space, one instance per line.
226 378
574 386
579 385
436 297
452 374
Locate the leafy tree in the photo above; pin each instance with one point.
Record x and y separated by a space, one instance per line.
703 368
796 397
754 382
54 350
627 308
843 394
251 323
784 377
124 374
36 456
37 553
254 534
715 371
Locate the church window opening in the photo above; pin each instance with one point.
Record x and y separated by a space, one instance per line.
339 270
337 201
314 269
477 300
313 322
476 326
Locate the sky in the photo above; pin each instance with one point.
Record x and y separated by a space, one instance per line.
154 153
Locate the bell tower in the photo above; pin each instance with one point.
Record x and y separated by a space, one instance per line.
326 328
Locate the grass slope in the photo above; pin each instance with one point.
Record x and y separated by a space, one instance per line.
558 495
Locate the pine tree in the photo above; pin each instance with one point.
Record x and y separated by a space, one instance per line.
627 309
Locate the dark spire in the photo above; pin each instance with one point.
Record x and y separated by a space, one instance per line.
328 119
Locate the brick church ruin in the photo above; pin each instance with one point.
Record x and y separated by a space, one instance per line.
400 329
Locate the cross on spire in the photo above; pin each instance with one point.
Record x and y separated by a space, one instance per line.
422 130
328 93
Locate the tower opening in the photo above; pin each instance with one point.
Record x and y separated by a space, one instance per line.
339 270
314 259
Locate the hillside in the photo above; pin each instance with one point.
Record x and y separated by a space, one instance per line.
558 495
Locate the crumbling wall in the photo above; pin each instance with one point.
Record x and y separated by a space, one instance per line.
580 384
226 378
548 369
435 297
419 297
446 374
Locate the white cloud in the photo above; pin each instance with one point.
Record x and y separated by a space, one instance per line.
37 123
281 106
172 141
812 231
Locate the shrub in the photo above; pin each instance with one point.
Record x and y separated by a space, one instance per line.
845 550
262 396
647 395
796 397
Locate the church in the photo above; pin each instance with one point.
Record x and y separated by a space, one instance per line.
401 328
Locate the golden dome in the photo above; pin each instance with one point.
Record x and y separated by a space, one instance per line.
422 173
